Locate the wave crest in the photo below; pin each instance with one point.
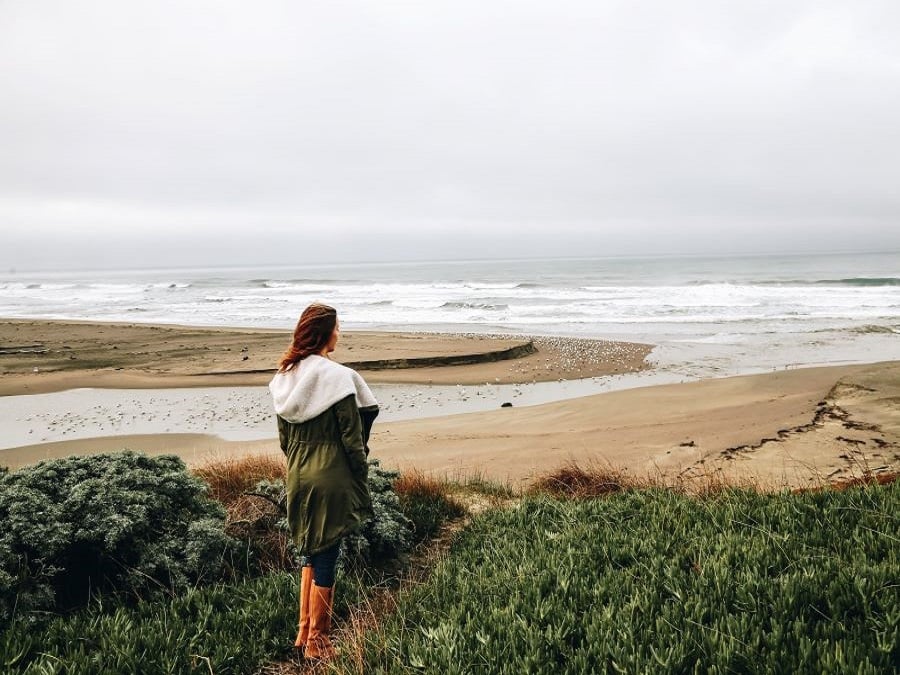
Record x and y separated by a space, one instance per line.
475 305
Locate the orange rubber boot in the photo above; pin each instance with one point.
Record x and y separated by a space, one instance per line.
319 646
306 582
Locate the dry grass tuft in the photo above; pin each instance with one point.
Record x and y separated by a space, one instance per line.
867 478
427 502
249 516
355 632
572 481
415 484
713 483
230 478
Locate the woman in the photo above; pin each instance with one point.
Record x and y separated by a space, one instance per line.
325 411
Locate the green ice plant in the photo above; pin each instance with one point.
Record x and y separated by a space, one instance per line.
655 581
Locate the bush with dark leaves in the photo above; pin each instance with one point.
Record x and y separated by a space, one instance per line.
384 541
122 523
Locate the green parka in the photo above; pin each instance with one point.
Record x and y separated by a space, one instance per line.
327 472
325 412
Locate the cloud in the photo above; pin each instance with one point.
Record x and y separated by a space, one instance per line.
435 129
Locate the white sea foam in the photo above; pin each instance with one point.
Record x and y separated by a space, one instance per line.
706 300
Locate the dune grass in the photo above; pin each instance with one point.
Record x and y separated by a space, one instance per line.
574 481
230 478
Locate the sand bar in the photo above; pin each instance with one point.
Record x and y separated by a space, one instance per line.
38 356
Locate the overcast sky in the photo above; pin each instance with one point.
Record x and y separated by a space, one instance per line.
179 133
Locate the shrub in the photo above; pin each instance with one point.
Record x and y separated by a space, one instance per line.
384 541
121 523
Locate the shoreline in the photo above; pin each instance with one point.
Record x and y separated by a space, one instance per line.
792 428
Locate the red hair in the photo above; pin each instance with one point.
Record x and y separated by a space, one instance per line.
313 331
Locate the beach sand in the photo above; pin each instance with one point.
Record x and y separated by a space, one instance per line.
39 356
791 428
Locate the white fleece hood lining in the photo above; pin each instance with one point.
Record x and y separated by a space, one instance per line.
314 385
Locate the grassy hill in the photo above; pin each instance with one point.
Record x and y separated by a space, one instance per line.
643 579
656 581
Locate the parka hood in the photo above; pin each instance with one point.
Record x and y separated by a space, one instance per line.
314 385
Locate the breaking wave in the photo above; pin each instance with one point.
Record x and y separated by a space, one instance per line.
475 305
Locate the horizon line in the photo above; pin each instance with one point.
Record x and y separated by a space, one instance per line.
449 261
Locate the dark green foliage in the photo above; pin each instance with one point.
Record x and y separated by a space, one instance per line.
654 581
223 629
121 523
232 628
384 541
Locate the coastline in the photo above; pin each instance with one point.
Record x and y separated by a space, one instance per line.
792 427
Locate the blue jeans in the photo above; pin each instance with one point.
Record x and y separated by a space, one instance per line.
324 564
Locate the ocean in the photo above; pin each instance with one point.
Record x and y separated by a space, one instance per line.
726 314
